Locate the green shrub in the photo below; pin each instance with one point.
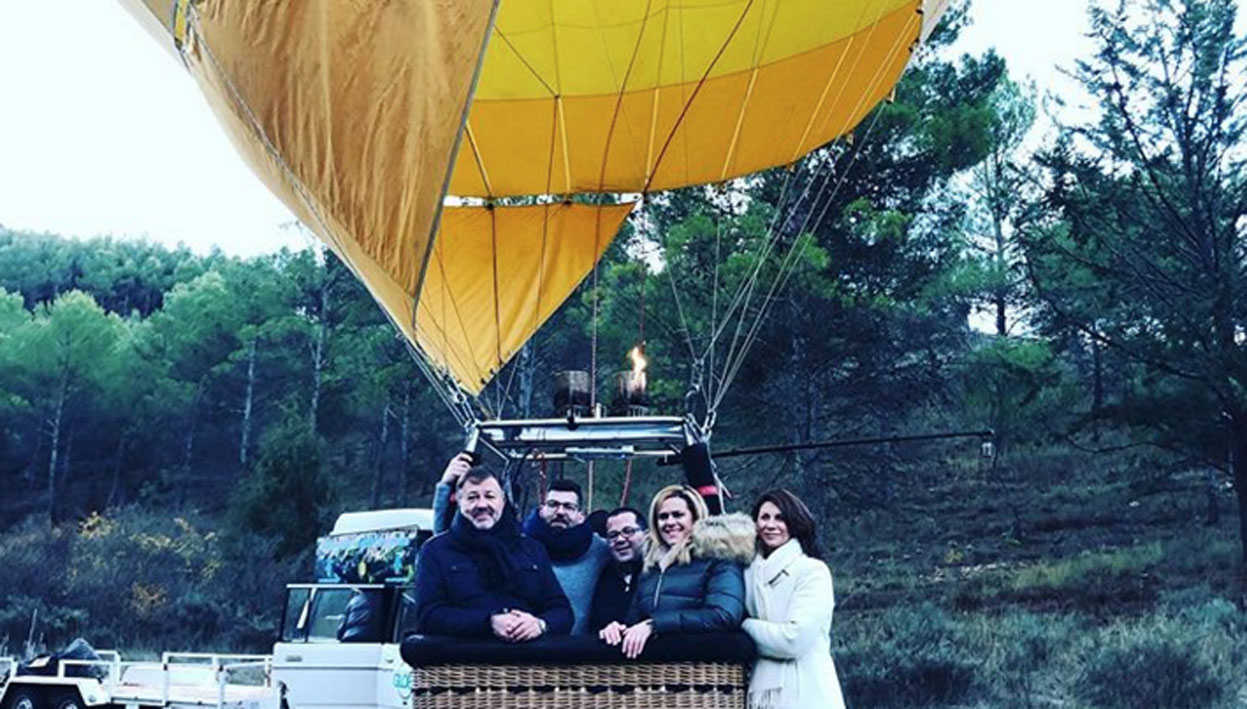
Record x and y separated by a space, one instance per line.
136 580
1092 580
1169 663
906 657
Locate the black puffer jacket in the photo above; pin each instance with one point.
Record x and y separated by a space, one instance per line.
706 595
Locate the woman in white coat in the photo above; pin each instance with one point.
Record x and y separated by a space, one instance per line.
789 600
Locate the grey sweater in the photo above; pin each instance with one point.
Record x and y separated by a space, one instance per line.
578 577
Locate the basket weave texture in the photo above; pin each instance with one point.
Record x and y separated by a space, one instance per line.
667 685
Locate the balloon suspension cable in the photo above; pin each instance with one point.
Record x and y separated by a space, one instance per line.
445 388
714 311
627 483
696 390
589 496
543 477
745 292
791 258
593 344
513 480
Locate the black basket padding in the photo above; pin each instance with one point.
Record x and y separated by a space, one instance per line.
424 650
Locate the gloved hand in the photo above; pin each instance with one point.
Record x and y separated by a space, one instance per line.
699 472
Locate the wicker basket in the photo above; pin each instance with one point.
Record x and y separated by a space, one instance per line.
668 685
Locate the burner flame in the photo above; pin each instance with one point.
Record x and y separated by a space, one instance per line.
637 381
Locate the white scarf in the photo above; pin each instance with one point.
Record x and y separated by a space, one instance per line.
770 675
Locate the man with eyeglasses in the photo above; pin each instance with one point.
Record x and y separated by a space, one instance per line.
577 554
625 533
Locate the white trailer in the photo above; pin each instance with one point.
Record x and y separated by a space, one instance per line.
177 681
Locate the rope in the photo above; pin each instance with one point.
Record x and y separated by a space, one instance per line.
772 234
787 267
641 288
697 89
627 483
714 305
688 335
542 478
597 235
589 497
593 341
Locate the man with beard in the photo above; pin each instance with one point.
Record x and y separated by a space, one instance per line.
484 577
625 533
578 555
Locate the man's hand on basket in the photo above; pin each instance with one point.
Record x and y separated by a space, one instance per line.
634 638
612 633
502 625
526 627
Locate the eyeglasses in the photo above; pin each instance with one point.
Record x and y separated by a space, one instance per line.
555 504
625 532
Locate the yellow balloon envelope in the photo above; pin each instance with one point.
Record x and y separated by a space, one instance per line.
365 118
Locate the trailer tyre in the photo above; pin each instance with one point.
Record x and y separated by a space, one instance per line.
66 699
23 698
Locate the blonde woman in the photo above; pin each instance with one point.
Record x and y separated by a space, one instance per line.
789 597
692 581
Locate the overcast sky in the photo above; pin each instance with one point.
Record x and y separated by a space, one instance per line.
103 132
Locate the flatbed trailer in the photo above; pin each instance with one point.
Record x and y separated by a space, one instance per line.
179 680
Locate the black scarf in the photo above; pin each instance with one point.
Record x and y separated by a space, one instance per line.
561 544
494 550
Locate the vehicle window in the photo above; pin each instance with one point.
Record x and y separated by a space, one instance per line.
327 609
292 630
405 622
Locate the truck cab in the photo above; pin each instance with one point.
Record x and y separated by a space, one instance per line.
340 636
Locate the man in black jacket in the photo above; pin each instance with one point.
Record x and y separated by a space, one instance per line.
625 532
484 577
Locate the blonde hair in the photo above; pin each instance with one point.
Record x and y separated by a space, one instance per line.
657 553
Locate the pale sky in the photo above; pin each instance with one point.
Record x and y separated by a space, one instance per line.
103 132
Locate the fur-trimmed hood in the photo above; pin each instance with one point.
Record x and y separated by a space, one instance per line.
729 537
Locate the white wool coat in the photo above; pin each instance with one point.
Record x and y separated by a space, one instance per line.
789 601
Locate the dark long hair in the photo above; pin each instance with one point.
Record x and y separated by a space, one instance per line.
796 515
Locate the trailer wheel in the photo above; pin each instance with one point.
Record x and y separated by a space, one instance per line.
66 699
23 698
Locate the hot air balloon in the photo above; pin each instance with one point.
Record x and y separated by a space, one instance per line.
471 160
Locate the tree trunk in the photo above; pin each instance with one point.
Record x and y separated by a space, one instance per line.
65 461
1001 290
796 372
1214 511
527 365
1238 463
405 447
244 444
188 448
57 419
30 472
318 353
378 474
1097 386
114 493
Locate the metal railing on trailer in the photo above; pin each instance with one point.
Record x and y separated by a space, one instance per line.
179 678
